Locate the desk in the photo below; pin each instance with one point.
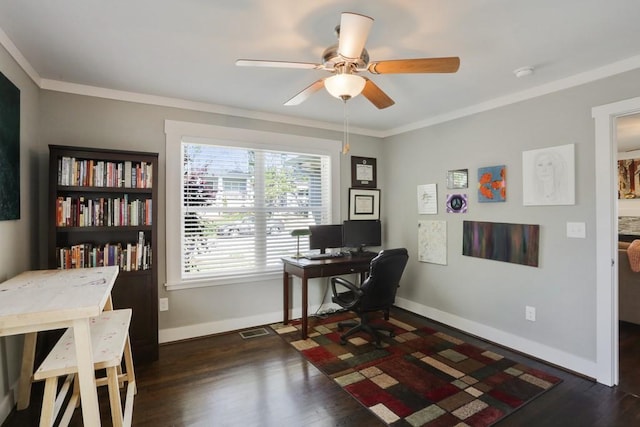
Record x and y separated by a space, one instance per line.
307 269
42 300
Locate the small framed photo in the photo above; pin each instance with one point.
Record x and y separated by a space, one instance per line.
364 204
458 178
363 172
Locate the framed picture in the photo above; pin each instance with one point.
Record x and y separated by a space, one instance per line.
363 172
492 184
9 150
458 178
628 178
364 204
548 176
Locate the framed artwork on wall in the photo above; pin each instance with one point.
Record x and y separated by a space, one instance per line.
492 184
364 204
427 199
629 179
548 176
457 203
9 150
363 172
458 178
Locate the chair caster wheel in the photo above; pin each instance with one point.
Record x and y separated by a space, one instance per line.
392 334
343 342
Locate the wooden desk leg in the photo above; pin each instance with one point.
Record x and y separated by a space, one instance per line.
285 293
26 371
304 307
86 373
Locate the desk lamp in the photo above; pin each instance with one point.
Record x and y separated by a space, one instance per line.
297 233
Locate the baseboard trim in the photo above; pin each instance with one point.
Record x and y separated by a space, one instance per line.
534 349
227 325
8 402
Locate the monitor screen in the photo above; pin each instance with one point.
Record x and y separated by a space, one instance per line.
359 234
325 236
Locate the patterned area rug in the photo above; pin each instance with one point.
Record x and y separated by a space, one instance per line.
421 377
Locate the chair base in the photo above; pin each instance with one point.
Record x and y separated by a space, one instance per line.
364 326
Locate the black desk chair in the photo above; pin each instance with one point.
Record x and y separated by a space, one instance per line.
376 293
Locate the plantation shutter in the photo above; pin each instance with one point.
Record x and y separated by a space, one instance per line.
239 206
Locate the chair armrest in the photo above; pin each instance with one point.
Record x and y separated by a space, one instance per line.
354 292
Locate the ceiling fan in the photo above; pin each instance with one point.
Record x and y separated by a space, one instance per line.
347 59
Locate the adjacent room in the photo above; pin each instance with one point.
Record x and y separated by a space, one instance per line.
214 194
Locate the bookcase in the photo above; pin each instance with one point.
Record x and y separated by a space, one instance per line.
103 211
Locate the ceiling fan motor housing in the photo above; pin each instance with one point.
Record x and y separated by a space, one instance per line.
331 58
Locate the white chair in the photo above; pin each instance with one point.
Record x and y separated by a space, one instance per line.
109 341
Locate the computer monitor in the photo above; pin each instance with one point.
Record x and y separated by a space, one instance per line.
325 236
360 234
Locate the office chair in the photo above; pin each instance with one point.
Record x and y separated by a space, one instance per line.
376 293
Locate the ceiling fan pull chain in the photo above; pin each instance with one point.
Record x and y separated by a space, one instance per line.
345 139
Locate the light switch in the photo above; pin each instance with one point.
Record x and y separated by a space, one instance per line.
576 230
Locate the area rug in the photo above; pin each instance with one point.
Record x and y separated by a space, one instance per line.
421 377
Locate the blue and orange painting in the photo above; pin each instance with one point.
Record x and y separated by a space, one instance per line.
492 184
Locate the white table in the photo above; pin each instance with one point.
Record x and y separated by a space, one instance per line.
42 300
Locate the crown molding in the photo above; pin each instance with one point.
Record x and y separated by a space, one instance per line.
545 89
141 98
79 89
11 48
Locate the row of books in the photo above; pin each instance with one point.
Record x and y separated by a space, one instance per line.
100 212
99 173
128 256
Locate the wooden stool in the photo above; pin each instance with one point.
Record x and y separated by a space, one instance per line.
109 341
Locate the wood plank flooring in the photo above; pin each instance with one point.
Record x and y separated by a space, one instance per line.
226 380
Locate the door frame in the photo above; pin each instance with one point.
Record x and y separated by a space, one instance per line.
607 353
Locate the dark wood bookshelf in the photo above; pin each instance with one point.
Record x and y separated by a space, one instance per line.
136 289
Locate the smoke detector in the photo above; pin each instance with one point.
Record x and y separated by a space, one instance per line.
523 72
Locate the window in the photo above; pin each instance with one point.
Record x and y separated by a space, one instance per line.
239 198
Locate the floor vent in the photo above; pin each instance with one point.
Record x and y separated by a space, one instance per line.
253 333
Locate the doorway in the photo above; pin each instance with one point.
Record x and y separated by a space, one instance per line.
607 331
627 143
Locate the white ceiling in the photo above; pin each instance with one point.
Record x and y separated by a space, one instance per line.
186 50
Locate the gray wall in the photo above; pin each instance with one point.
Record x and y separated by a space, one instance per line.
93 122
489 297
20 238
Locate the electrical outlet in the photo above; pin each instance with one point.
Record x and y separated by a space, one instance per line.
530 313
164 304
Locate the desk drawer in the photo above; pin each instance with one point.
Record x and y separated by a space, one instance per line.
337 269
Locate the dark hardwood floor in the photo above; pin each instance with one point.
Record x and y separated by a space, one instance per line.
226 380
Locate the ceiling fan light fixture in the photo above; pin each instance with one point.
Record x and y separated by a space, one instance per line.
344 86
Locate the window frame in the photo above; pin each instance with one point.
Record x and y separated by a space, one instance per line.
178 132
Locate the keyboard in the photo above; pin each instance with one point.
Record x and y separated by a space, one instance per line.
323 256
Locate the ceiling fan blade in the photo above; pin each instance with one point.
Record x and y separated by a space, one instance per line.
418 65
276 64
377 97
306 93
354 30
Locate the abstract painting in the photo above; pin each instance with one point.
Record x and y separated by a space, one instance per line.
515 243
492 184
9 150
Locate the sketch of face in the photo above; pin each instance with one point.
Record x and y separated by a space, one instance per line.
545 167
